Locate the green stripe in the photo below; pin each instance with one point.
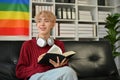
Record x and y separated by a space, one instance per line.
14 7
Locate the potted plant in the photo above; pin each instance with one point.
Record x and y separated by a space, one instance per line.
113 32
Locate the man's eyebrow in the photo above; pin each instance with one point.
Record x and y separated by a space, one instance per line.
39 19
43 19
46 19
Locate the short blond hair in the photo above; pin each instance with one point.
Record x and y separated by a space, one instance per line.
47 14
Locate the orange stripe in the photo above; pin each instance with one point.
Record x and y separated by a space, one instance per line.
14 23
14 31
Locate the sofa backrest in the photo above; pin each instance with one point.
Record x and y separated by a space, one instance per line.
92 58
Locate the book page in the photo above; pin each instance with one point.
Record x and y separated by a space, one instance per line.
55 49
68 53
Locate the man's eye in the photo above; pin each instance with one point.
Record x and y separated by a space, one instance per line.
39 20
46 20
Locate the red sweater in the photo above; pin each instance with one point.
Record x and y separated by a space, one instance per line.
27 64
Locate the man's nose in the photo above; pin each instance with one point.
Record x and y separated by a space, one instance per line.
42 22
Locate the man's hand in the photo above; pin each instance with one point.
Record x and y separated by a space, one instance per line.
58 63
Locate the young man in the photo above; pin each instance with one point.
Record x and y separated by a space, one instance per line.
32 52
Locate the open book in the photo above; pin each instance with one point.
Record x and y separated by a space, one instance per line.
53 52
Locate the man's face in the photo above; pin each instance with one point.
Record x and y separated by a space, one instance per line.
44 25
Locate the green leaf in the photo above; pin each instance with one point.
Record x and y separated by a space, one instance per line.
116 54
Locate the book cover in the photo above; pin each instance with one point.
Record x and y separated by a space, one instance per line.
53 53
69 13
59 13
73 16
64 12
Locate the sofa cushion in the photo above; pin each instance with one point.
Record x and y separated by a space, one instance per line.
9 54
101 78
7 71
92 58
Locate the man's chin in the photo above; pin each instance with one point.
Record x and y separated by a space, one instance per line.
43 33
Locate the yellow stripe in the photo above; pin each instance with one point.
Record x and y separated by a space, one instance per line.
14 15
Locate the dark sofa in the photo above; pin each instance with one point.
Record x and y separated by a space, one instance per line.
93 60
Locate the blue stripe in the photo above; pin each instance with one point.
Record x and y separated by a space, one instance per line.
15 1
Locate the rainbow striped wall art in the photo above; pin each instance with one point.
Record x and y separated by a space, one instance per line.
14 18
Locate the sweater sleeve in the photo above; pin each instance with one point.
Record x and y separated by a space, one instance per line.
23 70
